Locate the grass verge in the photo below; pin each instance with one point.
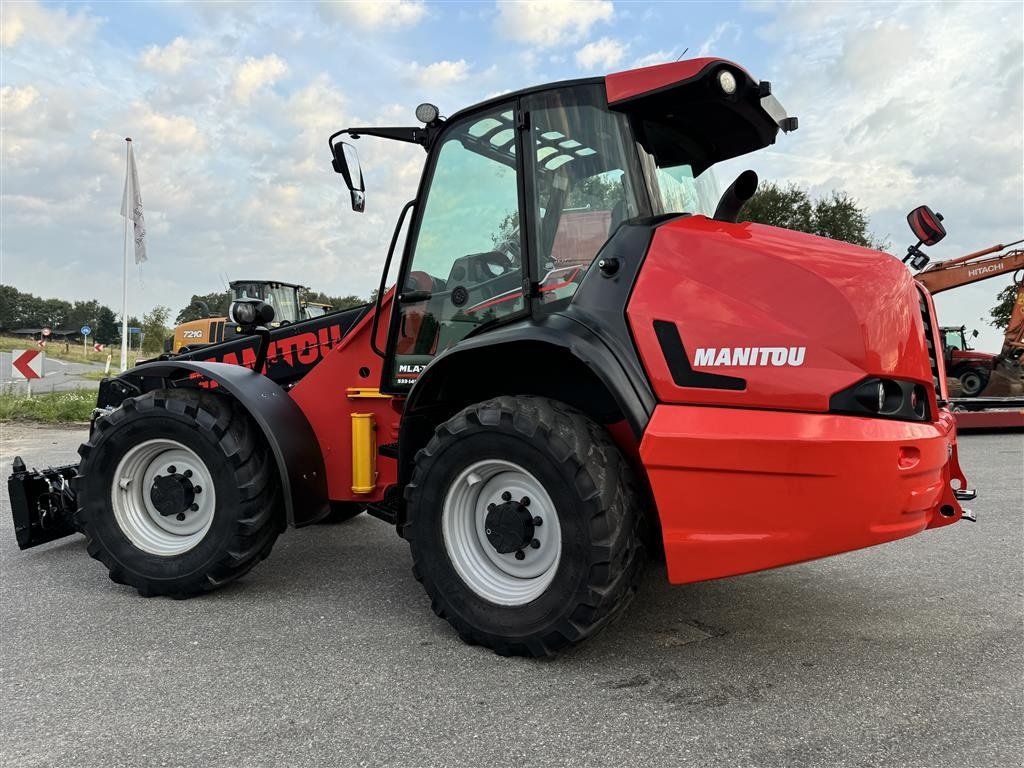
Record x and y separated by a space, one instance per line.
50 408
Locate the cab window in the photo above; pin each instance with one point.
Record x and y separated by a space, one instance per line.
586 181
466 268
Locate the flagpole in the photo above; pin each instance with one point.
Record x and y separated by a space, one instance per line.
124 252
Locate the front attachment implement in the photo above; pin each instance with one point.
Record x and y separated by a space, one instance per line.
42 503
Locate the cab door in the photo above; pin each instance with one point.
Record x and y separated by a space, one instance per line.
464 264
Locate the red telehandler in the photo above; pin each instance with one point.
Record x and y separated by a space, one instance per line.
530 417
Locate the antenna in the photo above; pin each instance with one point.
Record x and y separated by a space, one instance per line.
683 53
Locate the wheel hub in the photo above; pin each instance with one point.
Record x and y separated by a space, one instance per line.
163 497
172 494
509 526
501 531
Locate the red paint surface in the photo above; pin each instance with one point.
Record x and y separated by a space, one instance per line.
855 311
1003 418
634 82
742 490
322 395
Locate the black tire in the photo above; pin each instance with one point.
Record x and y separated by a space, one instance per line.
973 381
247 518
342 512
594 493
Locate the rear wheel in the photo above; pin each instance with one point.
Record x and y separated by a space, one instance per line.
177 493
973 381
524 525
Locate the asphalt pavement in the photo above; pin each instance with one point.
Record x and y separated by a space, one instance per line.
327 654
58 375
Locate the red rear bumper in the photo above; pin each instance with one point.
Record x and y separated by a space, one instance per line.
743 490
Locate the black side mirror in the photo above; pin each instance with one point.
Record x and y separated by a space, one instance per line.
346 162
926 225
927 228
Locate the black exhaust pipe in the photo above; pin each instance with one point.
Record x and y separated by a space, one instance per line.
734 198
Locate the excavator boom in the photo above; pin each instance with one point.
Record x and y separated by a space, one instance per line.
956 272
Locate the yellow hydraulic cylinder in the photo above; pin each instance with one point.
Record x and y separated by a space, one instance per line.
364 453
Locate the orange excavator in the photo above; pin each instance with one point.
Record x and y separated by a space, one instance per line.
1003 372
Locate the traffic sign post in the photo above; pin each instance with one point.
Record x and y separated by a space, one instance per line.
27 365
86 330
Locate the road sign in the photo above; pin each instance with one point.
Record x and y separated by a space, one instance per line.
47 331
86 330
27 364
134 330
98 347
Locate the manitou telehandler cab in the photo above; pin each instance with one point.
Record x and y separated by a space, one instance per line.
584 355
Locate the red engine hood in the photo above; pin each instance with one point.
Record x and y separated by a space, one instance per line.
840 312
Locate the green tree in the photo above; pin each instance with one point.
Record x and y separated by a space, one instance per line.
154 329
1001 311
836 215
216 302
336 302
107 331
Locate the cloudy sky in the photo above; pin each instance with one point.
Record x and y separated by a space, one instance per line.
230 105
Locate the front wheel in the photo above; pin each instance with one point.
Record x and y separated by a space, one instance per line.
177 493
524 525
973 381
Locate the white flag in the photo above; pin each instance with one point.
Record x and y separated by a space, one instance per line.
132 193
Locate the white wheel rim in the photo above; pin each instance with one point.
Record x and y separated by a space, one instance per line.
137 516
496 577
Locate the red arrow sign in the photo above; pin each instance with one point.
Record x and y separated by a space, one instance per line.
27 365
98 347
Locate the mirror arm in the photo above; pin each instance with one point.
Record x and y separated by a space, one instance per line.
418 135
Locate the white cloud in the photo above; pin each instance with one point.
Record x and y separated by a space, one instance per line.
253 75
601 54
377 14
440 73
32 21
547 23
658 57
710 45
170 133
318 106
171 58
15 100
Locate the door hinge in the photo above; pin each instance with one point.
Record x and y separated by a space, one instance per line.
523 120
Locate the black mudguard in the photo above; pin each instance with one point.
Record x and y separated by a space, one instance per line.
285 427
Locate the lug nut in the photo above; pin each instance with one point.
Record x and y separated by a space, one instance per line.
172 470
520 555
194 507
197 489
491 507
506 496
180 516
525 501
535 543
187 473
537 522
